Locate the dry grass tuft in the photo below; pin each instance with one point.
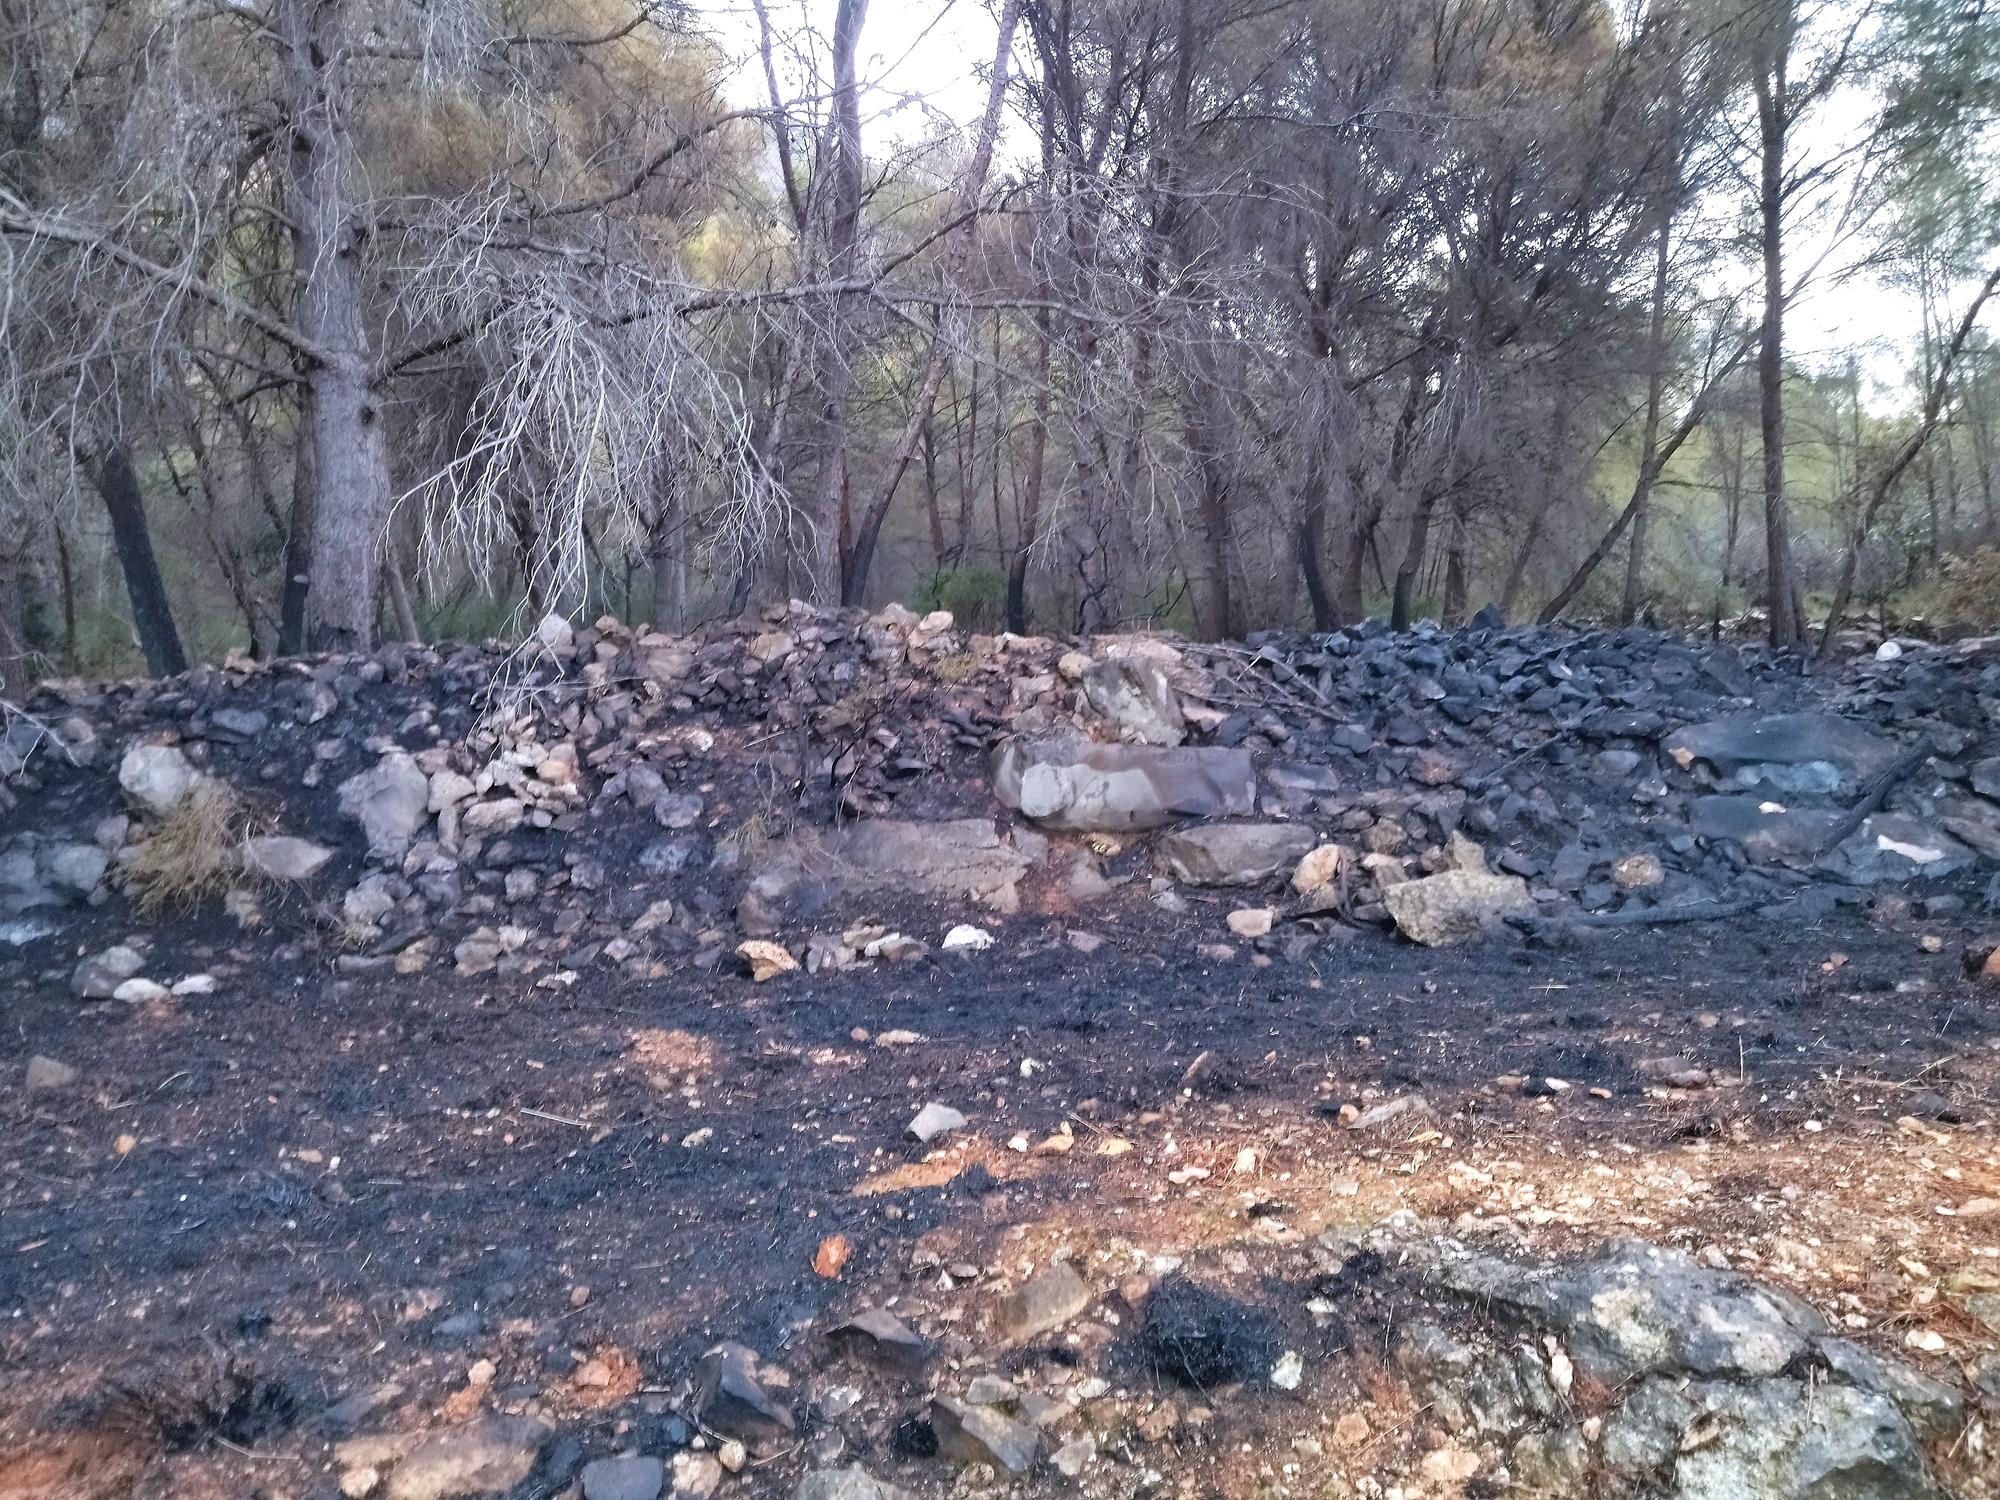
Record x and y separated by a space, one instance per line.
192 853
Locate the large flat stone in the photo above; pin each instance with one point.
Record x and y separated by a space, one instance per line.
1235 853
1889 846
958 859
1065 782
1807 753
484 1457
1765 830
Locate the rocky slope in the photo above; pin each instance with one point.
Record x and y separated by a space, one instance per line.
811 797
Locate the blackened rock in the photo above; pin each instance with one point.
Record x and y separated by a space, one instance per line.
1985 777
1765 831
1231 854
1812 753
1890 846
630 1476
886 1339
981 1435
731 1399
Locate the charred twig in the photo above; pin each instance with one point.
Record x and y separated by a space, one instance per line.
1650 916
1317 705
1874 793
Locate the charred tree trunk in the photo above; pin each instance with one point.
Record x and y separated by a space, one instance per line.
1403 597
293 611
1028 529
15 677
1456 584
66 568
152 612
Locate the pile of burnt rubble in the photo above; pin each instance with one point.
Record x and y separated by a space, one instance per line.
610 796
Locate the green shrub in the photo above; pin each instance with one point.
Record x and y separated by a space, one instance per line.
976 595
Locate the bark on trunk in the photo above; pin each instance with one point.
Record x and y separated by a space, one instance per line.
152 612
843 242
66 569
293 612
1403 598
343 422
14 676
1027 531
1781 582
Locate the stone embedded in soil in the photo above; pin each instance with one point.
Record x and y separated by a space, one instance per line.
74 870
1635 1309
881 1336
1318 869
98 977
696 1475
1766 830
850 1483
1800 753
488 1455
1457 906
766 960
1231 854
731 1397
1135 699
284 857
1069 783
1638 872
1073 1457
1251 921
1766 1437
158 778
980 1435
958 858
630 1476
1049 1299
1722 1386
965 938
1892 846
934 1120
390 800
45 1075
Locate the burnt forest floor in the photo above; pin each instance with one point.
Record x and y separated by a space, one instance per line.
304 1190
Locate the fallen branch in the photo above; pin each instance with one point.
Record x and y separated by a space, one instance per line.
1872 795
1648 916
